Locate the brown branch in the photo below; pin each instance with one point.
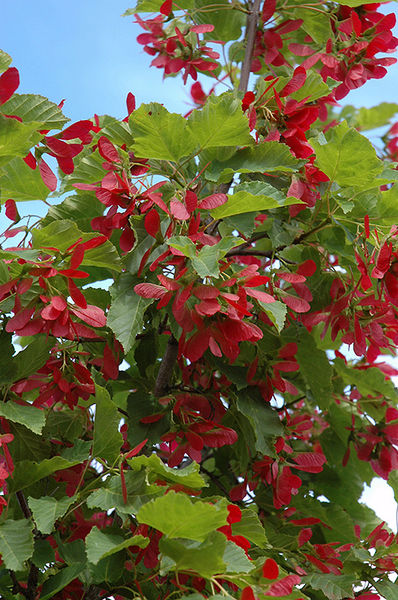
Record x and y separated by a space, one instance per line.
246 249
17 587
33 577
166 367
251 27
23 504
95 593
215 480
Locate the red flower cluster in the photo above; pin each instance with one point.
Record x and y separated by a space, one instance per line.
278 473
49 312
196 425
61 379
377 445
183 51
362 34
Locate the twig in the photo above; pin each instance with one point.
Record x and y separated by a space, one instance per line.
245 249
17 587
166 367
94 593
251 27
33 577
23 504
215 480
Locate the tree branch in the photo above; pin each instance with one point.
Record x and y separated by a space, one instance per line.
33 577
245 249
17 587
215 480
166 367
95 593
251 27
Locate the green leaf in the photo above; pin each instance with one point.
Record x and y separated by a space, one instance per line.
253 197
250 527
387 589
160 134
65 424
43 553
376 116
266 157
105 255
8 371
276 311
119 132
387 206
220 122
107 438
335 587
347 157
156 469
46 510
316 24
33 357
59 234
32 107
227 21
151 6
110 569
236 560
33 418
200 518
142 243
141 404
126 313
16 139
81 208
206 262
62 234
369 382
183 244
100 545
20 182
354 2
204 558
71 552
16 543
88 169
315 369
264 419
110 496
58 582
28 471
80 451
313 88
5 61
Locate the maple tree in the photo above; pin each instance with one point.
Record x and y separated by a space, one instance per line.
195 338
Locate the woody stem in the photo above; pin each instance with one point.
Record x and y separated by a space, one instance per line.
251 27
166 367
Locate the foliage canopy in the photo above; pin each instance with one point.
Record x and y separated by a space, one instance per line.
195 338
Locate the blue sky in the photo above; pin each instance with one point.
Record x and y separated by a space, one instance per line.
85 52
